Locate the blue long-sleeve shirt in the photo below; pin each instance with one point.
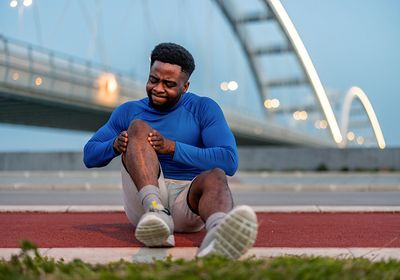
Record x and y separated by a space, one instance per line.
197 125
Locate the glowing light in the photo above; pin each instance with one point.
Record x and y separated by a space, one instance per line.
271 103
13 3
224 86
38 81
300 115
112 85
27 3
350 136
275 103
108 89
267 104
15 76
360 140
321 124
229 86
233 85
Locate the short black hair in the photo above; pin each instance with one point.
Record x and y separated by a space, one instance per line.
174 54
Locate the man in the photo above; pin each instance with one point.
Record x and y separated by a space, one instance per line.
176 149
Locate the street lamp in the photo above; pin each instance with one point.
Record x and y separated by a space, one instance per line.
13 3
27 3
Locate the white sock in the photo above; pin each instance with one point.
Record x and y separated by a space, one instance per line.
214 220
150 197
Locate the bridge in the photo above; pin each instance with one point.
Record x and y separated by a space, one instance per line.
42 87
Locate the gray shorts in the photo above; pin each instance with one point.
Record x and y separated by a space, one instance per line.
173 196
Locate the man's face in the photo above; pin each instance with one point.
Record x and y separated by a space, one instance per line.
165 85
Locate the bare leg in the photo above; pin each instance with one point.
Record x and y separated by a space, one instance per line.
230 232
155 228
140 158
209 194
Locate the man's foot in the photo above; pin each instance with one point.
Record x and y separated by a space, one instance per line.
235 234
156 228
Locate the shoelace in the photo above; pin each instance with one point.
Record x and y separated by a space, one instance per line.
165 210
159 208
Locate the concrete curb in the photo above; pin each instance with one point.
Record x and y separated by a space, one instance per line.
259 209
105 255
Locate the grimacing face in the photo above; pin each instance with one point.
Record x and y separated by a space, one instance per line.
165 85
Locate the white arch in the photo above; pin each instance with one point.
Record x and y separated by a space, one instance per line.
362 97
309 69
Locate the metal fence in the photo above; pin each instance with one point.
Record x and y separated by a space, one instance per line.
28 68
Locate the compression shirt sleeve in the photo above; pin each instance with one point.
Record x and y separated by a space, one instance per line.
219 143
99 151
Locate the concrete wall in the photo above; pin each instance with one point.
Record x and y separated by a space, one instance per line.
287 159
47 161
251 159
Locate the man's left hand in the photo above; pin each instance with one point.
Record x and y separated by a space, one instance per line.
161 144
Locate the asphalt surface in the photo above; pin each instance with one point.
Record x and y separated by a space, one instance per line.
249 197
273 181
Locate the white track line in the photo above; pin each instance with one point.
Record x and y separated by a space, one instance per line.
260 209
105 255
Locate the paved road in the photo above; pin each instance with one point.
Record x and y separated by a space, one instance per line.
322 181
251 197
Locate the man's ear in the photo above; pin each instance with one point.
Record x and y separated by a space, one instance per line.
186 86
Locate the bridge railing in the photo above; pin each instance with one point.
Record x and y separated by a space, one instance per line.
36 70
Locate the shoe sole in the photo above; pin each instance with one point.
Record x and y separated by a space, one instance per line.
236 233
154 232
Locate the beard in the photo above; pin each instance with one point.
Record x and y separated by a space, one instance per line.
167 105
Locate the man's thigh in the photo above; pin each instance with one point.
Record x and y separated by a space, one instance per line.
185 220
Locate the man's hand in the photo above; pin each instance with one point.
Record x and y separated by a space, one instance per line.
121 142
161 144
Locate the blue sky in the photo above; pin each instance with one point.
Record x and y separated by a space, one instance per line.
350 42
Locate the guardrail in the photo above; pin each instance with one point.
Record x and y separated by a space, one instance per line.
35 69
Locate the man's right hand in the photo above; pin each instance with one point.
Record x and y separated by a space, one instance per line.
121 142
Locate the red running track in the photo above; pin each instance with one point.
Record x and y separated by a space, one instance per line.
59 230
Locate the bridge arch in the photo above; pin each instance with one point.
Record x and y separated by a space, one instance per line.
358 93
274 11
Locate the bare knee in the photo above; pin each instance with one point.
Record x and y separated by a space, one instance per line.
210 193
217 174
214 178
138 128
138 132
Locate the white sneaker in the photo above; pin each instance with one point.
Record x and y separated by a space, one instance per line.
234 236
156 229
